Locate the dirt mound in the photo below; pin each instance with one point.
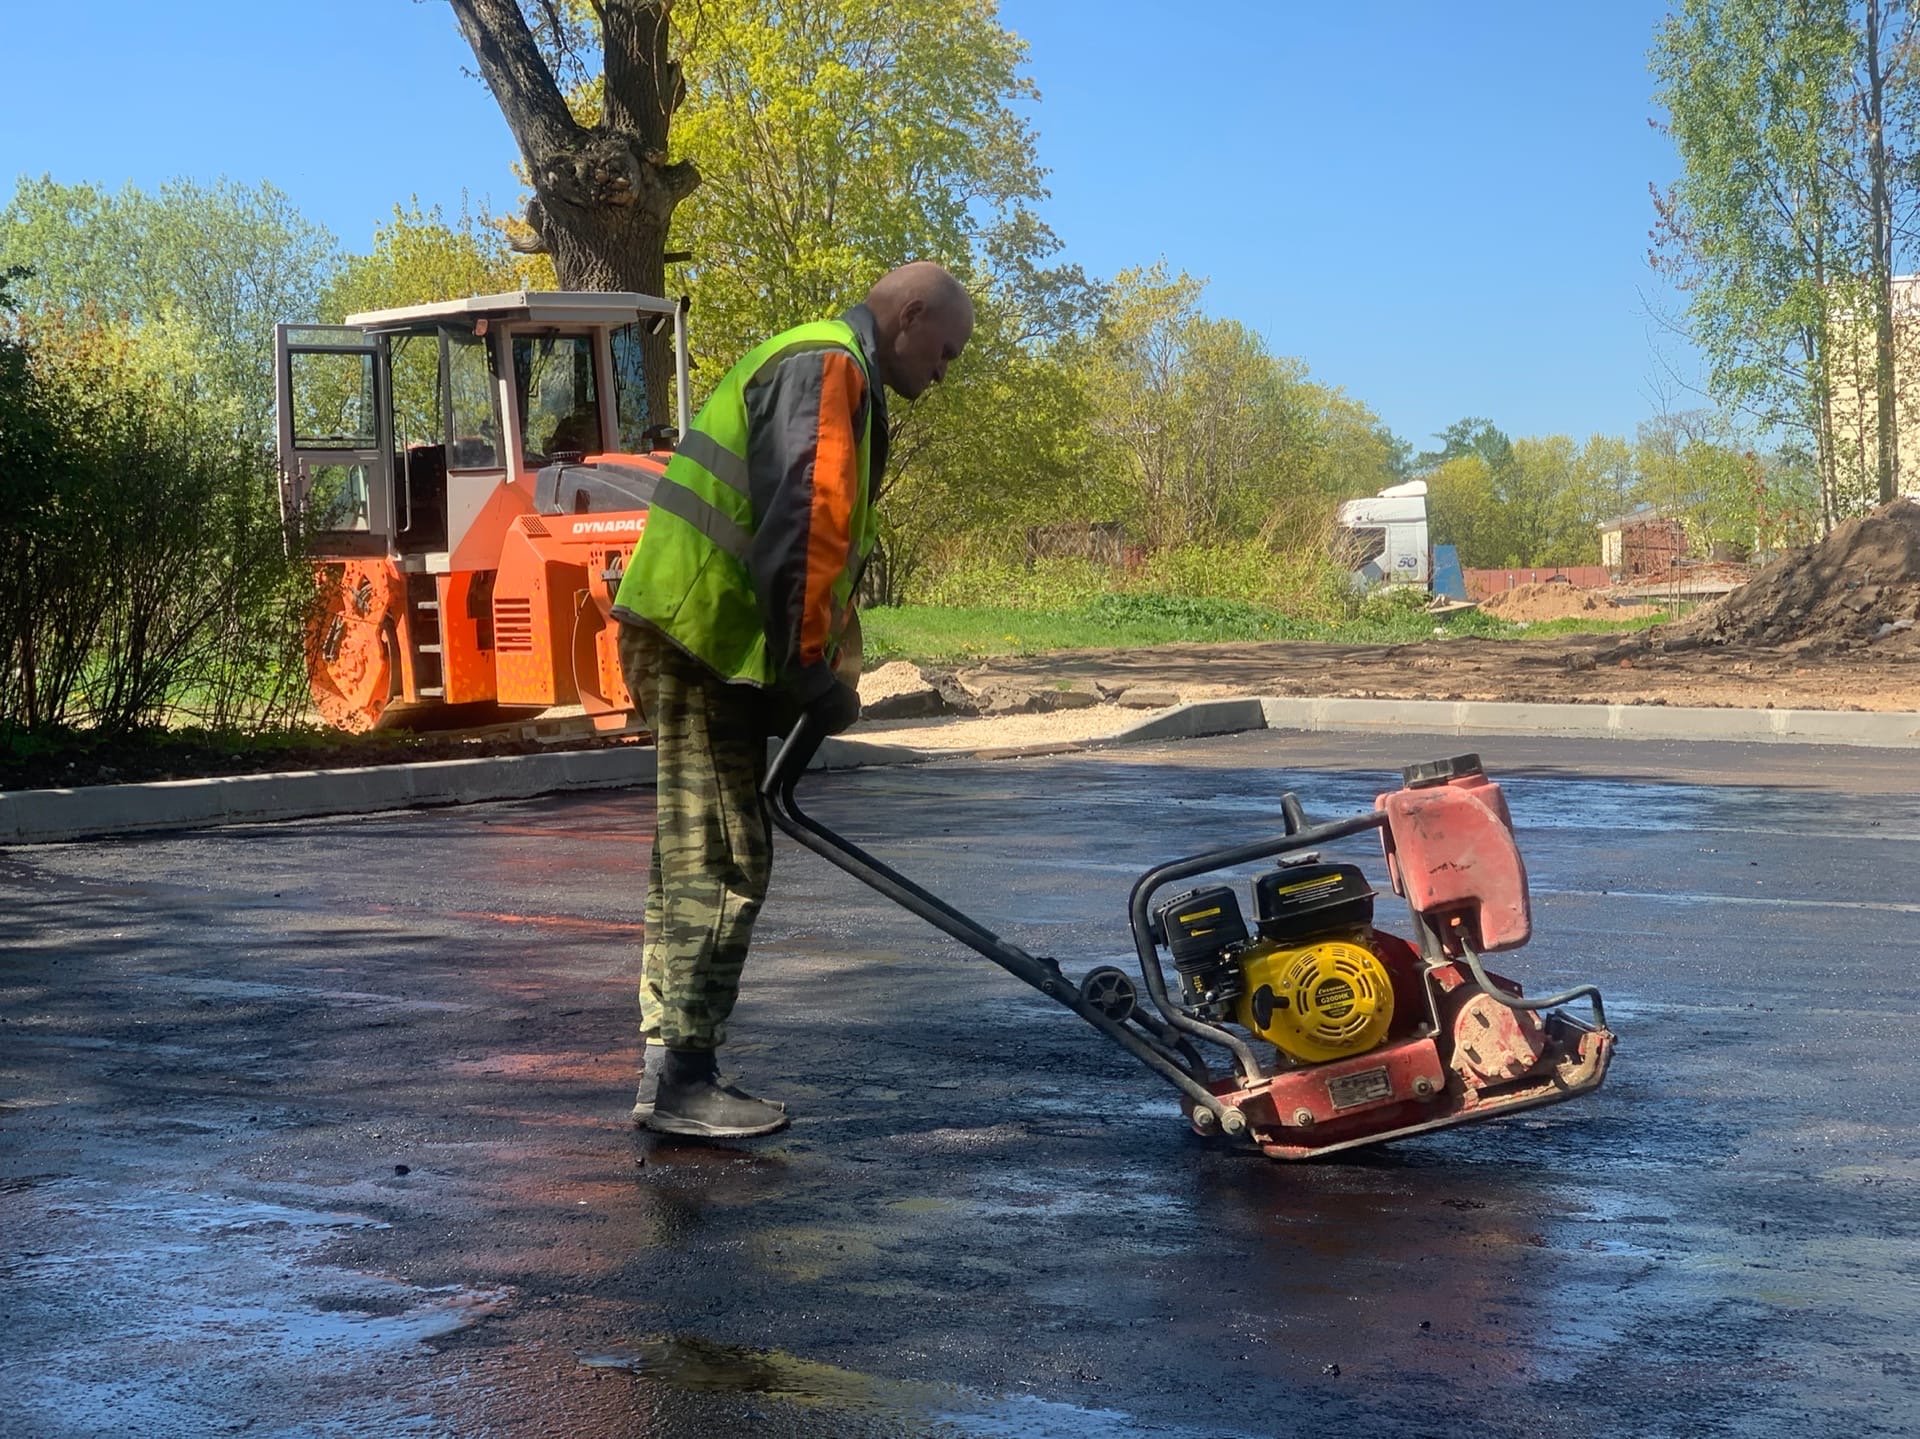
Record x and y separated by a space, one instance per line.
1859 586
1531 602
892 679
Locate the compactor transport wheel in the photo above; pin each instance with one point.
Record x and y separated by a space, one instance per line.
1111 991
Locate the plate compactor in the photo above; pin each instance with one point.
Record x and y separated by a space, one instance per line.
1338 1034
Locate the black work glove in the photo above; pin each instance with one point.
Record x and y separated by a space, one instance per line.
834 709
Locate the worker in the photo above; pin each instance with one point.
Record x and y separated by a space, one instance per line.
736 605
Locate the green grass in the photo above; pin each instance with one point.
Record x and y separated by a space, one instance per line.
929 634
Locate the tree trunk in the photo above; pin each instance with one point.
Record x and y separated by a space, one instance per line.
1886 429
604 195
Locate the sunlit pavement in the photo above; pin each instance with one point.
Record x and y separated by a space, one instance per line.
320 1129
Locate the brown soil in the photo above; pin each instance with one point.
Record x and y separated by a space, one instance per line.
1661 667
1577 669
1534 602
1834 627
1858 589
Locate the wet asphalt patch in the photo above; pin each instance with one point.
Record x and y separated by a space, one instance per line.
319 1129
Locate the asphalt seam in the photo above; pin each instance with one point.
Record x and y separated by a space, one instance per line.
51 816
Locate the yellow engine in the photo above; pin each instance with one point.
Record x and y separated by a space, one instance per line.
1308 983
1315 1002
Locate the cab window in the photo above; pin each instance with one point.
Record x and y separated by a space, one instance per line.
559 406
333 406
474 403
1358 546
630 388
414 362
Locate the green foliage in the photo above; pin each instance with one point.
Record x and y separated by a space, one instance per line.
203 273
1539 501
1003 443
145 575
1464 511
934 635
835 141
1046 584
1751 227
1206 437
1304 584
1300 583
1301 580
1470 436
1797 128
1532 501
1390 603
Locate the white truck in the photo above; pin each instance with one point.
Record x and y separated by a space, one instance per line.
1383 539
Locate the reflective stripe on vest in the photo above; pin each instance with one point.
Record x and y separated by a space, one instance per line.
716 459
677 499
722 529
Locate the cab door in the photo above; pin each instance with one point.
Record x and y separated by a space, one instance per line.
334 413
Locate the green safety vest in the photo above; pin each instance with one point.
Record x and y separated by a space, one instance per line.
689 575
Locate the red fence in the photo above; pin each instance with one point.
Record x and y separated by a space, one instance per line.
1485 584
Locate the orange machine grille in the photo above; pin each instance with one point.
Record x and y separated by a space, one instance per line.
513 624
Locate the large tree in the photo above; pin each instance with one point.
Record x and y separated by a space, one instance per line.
208 270
604 186
1795 122
1210 438
838 138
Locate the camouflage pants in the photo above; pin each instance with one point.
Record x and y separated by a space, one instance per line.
713 840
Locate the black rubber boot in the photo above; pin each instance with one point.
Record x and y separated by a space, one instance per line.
692 1101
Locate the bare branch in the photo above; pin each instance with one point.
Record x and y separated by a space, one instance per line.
511 64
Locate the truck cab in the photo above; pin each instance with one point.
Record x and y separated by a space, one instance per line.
469 478
1383 540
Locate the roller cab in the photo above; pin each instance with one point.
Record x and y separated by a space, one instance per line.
469 479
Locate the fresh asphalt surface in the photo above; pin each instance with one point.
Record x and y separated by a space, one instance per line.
320 1129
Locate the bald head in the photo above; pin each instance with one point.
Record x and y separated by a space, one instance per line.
923 318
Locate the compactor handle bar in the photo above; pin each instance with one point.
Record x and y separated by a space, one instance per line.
1180 1066
1185 1071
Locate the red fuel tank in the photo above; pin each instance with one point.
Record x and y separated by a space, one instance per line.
1450 850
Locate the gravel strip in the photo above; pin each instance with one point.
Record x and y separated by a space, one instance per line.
1002 731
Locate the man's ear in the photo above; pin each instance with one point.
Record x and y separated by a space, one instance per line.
912 313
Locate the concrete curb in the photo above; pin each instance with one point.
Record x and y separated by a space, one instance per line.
51 816
43 816
1191 721
1845 727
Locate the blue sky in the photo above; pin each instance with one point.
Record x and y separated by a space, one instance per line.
1440 207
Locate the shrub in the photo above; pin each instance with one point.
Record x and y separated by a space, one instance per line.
1301 582
146 580
1389 602
1046 584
